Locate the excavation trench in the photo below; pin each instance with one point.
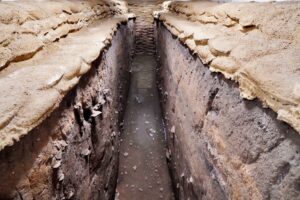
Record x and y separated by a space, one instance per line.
143 172
150 121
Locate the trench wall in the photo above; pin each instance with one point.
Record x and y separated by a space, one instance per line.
221 146
73 154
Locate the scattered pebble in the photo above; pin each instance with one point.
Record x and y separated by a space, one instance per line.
126 154
173 129
152 130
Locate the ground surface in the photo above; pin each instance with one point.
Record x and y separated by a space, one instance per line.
143 172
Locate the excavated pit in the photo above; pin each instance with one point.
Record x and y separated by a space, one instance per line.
149 120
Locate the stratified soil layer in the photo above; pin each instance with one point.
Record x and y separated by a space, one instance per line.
220 145
61 106
255 44
36 84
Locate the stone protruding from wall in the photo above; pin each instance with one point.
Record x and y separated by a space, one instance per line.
255 44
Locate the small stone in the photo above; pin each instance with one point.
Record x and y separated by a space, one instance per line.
106 91
173 129
95 113
61 175
152 130
126 154
134 167
56 164
86 152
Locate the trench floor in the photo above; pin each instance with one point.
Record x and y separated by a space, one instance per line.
143 172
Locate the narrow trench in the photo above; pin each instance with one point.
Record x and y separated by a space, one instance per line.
143 172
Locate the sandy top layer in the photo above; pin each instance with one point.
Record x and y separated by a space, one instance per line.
39 67
255 44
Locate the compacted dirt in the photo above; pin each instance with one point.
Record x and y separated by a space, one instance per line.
143 171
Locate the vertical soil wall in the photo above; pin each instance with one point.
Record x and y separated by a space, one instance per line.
73 154
221 146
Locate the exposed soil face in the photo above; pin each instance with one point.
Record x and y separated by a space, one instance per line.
219 145
64 130
73 154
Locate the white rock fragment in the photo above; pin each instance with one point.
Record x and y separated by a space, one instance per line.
56 164
126 154
102 100
86 152
173 129
95 113
152 130
106 91
60 176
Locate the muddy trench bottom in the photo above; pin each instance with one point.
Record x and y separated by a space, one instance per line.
143 171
